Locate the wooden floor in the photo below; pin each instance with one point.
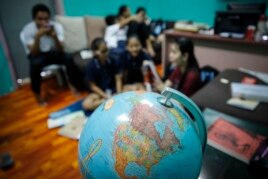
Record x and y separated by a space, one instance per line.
38 152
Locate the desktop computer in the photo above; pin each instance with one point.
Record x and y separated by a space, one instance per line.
235 20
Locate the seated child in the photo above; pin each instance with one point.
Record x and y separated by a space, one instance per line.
183 71
102 75
132 60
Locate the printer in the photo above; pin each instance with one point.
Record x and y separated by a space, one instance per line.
234 21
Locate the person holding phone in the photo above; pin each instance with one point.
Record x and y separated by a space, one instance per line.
43 42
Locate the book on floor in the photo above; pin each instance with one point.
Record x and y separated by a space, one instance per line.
64 115
65 119
74 128
76 106
233 140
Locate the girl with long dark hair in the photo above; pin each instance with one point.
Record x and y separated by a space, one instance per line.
183 70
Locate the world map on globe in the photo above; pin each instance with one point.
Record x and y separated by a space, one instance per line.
137 138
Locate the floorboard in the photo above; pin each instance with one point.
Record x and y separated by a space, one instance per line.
38 152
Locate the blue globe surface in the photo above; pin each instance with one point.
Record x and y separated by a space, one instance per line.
132 135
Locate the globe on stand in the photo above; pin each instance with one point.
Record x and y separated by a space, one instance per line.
143 135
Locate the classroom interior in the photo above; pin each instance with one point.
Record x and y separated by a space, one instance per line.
217 130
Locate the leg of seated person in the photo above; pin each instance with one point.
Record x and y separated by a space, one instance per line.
92 101
139 86
71 69
36 65
134 87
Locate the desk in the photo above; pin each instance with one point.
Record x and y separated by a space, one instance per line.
214 95
221 53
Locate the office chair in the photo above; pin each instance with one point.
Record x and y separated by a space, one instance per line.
207 73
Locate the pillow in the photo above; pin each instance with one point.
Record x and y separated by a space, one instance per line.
75 37
95 27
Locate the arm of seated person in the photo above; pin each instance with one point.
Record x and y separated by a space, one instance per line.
149 47
97 90
119 83
58 43
160 86
137 18
34 47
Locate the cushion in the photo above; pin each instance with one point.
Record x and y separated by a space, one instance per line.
74 33
95 27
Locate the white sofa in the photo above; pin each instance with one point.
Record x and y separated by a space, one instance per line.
80 31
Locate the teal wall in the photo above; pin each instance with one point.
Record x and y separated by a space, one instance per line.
196 10
6 84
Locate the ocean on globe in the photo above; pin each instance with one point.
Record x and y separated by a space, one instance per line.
133 135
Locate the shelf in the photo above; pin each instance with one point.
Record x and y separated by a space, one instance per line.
217 38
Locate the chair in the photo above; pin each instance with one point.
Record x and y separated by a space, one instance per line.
207 73
56 70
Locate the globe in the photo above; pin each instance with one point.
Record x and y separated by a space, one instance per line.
143 135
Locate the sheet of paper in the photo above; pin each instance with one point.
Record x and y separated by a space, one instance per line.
150 64
74 128
242 103
250 92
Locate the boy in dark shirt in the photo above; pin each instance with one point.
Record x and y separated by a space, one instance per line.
102 75
142 30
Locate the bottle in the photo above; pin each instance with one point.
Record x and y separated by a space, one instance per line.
250 32
261 28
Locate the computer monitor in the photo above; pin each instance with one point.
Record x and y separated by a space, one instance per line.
247 7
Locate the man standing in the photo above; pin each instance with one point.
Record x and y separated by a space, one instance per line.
43 43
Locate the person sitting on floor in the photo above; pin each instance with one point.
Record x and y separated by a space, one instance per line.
43 42
183 71
132 60
102 74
